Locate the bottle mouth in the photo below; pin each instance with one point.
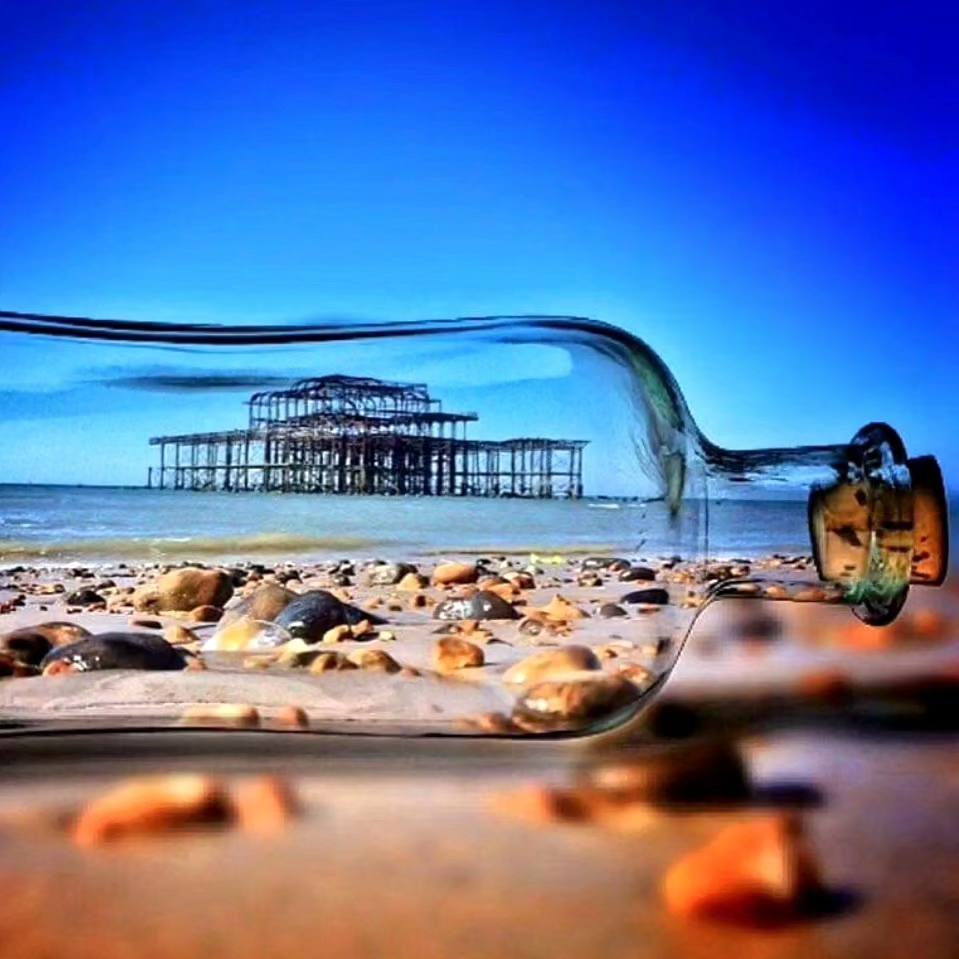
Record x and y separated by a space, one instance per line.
881 526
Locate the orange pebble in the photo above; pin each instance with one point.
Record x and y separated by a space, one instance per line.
928 624
294 716
149 805
264 805
825 685
221 714
758 873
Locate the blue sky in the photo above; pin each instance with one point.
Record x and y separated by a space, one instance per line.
766 192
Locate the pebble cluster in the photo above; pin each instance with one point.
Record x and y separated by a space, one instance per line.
569 643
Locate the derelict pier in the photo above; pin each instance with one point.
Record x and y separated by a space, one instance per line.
345 434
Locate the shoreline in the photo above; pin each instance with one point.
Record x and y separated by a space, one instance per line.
187 551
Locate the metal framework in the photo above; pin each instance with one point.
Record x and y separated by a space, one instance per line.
345 434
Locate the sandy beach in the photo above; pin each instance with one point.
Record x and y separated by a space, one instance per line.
424 647
561 845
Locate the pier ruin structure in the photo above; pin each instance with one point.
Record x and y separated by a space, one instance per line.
346 434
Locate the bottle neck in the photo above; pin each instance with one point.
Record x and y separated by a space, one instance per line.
869 521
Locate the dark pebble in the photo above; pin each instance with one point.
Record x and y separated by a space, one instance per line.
387 574
84 597
309 616
608 610
30 644
25 646
760 626
658 596
117 651
9 666
693 772
612 563
637 573
481 605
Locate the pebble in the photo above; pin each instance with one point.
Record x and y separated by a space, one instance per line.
560 610
113 651
388 574
548 804
656 596
266 602
337 634
810 595
637 573
638 675
609 610
185 589
30 644
531 626
757 625
589 580
551 664
562 702
605 562
496 724
452 653
830 686
520 579
374 660
246 634
327 662
447 574
177 635
265 805
151 805
312 614
50 589
241 715
711 771
85 597
481 605
294 717
757 874
505 590
412 583
294 654
9 666
205 614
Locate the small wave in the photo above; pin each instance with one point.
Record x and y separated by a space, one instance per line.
180 547
540 549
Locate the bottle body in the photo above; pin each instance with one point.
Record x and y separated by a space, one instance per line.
497 525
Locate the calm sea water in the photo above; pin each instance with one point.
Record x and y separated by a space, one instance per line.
60 524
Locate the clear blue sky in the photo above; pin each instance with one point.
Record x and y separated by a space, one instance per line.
766 192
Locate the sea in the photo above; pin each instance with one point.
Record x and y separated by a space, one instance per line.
69 524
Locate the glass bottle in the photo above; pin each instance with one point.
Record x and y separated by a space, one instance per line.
501 525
